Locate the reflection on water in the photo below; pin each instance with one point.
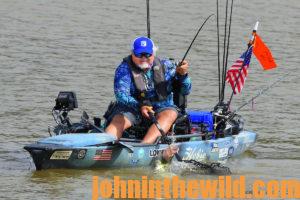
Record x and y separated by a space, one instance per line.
48 46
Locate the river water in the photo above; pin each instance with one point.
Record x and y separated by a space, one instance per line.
49 46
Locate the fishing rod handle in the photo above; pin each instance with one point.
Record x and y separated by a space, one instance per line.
154 120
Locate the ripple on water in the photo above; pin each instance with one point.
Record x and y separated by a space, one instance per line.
49 46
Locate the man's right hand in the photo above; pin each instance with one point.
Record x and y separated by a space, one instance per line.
145 110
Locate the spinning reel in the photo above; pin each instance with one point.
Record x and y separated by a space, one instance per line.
225 121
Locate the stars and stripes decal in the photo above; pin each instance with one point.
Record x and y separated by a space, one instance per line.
104 154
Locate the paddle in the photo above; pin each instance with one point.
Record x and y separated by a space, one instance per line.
85 118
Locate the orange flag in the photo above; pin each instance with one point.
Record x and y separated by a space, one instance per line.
263 54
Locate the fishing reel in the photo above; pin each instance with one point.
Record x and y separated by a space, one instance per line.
235 124
220 114
221 108
229 124
225 121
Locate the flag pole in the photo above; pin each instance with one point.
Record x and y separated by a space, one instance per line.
250 43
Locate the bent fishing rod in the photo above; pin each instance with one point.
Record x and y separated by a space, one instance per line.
149 35
187 51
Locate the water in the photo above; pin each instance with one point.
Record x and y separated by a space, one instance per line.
48 46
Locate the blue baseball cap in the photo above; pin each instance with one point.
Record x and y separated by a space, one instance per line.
142 45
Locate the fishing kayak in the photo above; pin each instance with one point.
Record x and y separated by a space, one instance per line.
100 150
203 136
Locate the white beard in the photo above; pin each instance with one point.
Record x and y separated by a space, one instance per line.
144 65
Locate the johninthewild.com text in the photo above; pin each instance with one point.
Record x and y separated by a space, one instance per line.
173 187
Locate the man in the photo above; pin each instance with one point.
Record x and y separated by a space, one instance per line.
143 84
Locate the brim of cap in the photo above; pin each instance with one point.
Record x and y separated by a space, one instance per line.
143 50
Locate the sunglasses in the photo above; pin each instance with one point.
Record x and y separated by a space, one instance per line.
140 55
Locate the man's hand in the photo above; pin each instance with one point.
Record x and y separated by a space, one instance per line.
145 110
182 69
169 152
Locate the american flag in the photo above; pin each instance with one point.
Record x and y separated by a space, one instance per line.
237 73
104 154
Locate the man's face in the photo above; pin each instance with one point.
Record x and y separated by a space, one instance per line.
143 58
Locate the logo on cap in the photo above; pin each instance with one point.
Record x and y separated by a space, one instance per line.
143 43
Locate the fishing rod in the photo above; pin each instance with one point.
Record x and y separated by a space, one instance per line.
232 114
218 36
163 134
213 167
227 51
261 92
148 18
224 48
194 39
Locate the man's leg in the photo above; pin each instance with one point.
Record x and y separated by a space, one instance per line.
166 119
117 126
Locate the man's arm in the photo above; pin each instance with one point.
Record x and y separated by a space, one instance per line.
186 84
122 85
184 80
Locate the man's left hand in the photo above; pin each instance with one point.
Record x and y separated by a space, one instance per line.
182 69
145 111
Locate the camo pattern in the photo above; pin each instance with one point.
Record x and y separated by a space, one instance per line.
125 90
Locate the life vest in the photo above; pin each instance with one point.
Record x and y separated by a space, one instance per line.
160 83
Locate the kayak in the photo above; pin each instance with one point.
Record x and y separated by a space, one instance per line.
100 150
89 147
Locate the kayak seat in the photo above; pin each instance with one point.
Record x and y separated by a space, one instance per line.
181 126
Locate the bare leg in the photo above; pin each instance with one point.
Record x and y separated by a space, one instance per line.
166 118
117 126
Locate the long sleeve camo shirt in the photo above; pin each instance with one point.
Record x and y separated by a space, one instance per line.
126 92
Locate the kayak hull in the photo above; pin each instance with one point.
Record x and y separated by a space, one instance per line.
99 150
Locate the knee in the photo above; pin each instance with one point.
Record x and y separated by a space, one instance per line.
120 121
168 114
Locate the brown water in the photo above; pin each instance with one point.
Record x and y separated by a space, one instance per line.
48 46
